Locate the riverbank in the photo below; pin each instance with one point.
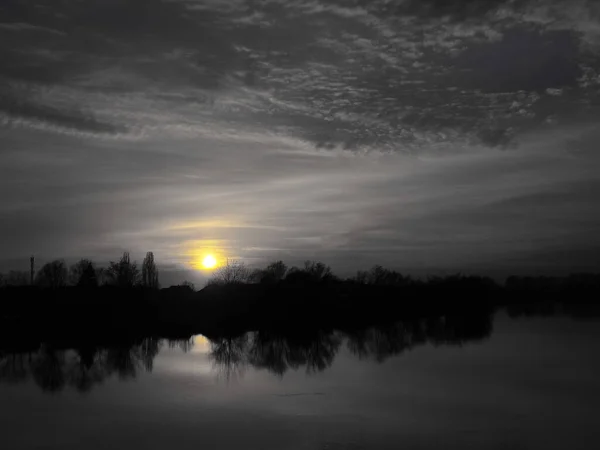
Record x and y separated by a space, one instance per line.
238 308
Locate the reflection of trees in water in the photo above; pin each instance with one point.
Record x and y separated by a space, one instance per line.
274 352
279 353
316 350
14 367
230 356
124 361
87 366
458 330
148 351
384 341
47 369
185 345
83 368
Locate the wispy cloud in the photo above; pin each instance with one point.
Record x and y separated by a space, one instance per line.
393 75
21 26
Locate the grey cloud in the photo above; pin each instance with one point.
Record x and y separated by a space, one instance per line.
458 9
497 137
14 110
338 73
21 26
524 60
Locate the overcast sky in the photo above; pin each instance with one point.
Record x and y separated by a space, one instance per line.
423 135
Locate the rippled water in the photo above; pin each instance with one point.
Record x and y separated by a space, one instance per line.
529 383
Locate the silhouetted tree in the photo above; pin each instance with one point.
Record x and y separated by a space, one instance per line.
312 272
273 273
17 278
380 276
234 272
83 273
123 273
52 275
361 277
318 270
102 276
149 272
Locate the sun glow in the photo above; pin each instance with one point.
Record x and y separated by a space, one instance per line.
209 262
206 255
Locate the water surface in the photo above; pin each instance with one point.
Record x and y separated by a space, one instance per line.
529 383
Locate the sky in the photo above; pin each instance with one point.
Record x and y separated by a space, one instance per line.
427 136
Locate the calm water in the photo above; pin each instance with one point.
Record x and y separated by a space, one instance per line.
529 383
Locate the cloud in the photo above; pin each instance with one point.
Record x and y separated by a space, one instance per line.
21 26
332 128
356 76
23 112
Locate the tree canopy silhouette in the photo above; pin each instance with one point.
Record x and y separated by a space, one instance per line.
123 273
149 272
83 274
273 273
312 272
380 276
233 272
16 278
53 274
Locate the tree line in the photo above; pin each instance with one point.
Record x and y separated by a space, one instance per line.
311 272
236 272
84 273
125 273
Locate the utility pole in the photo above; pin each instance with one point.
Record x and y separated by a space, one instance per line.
31 269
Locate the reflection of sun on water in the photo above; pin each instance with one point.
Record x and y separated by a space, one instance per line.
201 344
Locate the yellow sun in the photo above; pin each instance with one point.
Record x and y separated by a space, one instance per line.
209 262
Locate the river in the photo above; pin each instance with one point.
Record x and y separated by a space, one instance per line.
518 383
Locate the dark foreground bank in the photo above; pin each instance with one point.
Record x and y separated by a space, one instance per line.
283 306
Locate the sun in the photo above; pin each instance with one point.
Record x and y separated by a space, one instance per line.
209 262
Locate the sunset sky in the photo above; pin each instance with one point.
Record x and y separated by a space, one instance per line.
428 136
